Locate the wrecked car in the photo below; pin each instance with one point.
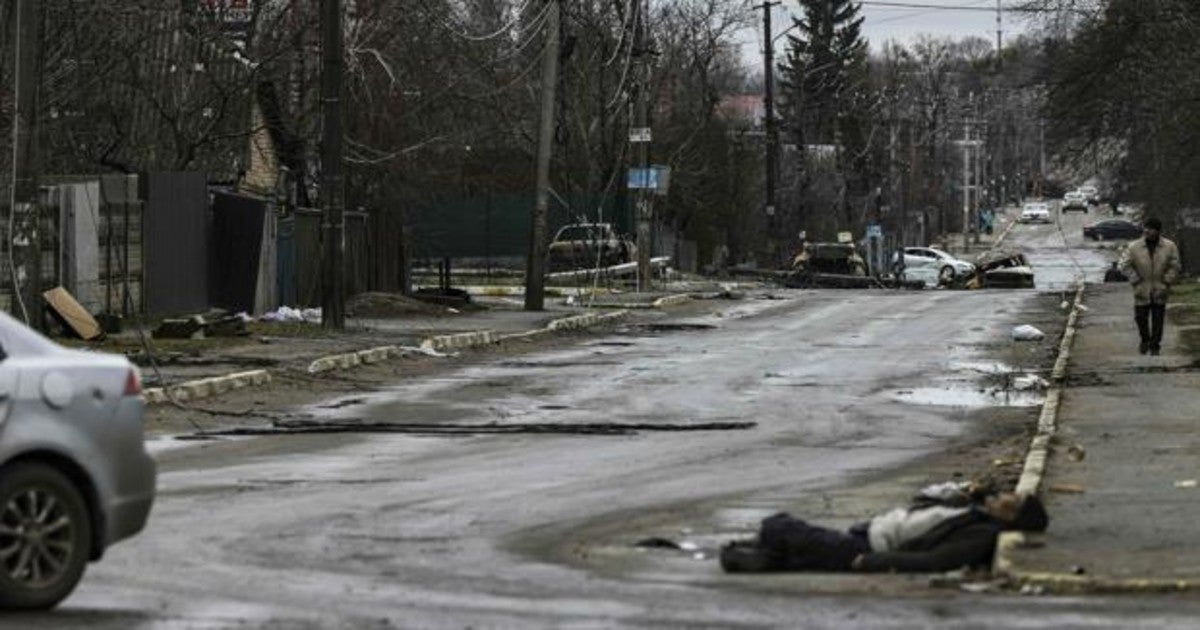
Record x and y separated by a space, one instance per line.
836 265
1002 270
587 245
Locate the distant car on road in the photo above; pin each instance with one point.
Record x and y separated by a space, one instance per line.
948 267
1035 212
584 245
1090 193
74 473
1075 200
1112 229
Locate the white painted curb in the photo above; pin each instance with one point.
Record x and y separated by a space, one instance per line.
354 359
1034 470
460 340
577 322
207 387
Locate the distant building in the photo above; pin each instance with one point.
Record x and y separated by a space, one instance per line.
743 110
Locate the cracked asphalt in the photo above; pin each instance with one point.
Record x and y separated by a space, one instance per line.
385 530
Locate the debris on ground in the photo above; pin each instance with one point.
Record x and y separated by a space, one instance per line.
1033 590
189 328
1066 488
228 326
72 315
1186 483
1076 453
1025 332
657 542
1029 382
377 304
289 314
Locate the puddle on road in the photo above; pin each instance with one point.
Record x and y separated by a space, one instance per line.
973 398
984 367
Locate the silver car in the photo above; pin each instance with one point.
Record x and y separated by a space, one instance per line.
75 476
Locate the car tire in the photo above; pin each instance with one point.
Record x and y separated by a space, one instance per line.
46 533
946 275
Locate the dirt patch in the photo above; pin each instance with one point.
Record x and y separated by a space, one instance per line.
392 305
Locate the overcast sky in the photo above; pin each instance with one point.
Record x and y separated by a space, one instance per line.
885 23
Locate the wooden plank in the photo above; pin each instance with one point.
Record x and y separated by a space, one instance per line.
72 315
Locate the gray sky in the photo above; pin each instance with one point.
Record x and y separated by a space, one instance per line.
904 24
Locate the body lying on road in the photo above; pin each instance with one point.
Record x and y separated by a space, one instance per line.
948 526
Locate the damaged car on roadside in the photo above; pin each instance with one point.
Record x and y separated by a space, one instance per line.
836 265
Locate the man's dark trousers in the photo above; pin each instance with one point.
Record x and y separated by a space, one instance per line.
1150 323
799 546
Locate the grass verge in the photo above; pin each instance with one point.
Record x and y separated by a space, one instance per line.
1185 313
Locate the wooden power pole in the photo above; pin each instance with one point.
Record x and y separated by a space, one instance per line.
535 267
333 185
25 271
642 196
772 131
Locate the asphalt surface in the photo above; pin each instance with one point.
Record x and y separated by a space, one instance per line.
384 530
1061 257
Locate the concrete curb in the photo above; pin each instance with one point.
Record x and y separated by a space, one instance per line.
353 359
1031 481
662 302
671 300
206 387
1004 234
587 320
460 341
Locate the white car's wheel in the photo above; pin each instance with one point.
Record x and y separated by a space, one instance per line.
45 534
946 274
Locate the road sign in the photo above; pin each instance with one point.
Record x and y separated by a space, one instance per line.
655 178
639 134
874 230
643 178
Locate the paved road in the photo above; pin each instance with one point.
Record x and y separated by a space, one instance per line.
518 531
461 531
1059 253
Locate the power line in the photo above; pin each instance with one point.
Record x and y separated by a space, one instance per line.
945 7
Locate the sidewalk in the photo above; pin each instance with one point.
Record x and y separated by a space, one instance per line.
1006 218
1124 517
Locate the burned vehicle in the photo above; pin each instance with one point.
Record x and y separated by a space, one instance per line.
588 245
836 265
1002 270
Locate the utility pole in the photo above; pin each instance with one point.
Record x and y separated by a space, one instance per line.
535 267
999 35
966 180
24 218
333 186
771 127
642 196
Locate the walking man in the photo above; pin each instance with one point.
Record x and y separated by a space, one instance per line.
1152 265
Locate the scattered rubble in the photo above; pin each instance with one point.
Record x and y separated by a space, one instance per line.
289 314
1025 332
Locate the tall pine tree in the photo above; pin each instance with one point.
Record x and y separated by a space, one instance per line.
824 70
823 79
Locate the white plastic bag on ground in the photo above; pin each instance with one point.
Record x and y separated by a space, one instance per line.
1025 332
